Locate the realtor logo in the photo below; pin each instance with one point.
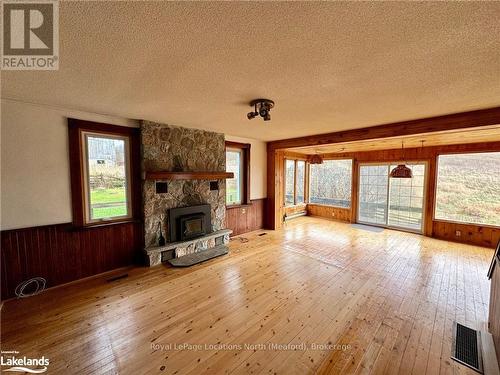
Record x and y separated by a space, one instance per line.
30 35
25 365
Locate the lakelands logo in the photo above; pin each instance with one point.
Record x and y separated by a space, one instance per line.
30 35
23 364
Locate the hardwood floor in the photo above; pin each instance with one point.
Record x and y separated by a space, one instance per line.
371 302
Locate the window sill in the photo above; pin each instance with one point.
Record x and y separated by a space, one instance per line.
104 224
242 205
329 205
295 205
465 223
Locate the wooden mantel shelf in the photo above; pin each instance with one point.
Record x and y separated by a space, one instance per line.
160 175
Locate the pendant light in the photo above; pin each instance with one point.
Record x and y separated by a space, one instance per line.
401 171
315 159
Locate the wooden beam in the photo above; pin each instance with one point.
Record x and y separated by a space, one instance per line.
188 175
463 120
295 155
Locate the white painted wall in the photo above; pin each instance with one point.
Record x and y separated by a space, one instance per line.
258 166
35 180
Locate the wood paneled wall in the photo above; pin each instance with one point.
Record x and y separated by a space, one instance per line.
474 234
275 192
329 212
294 210
60 253
243 219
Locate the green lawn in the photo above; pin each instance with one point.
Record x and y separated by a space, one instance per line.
108 203
107 195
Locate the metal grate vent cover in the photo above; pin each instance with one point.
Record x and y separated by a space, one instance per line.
466 347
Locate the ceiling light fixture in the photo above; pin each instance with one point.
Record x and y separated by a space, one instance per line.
262 108
401 171
315 159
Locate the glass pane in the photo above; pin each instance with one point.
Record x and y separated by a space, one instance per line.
233 185
301 176
289 179
406 199
468 188
107 177
330 183
373 182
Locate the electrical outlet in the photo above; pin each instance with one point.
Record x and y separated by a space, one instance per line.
458 233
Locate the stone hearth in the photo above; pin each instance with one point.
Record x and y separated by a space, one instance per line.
158 254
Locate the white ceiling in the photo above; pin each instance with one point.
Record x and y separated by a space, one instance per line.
328 65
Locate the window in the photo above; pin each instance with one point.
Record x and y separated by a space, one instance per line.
105 173
468 188
238 162
295 180
301 181
330 183
234 186
106 177
289 182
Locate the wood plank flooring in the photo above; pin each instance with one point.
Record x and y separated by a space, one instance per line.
317 296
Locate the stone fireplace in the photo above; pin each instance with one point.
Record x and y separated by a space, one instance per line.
184 209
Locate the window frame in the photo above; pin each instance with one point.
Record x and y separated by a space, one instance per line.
352 184
434 208
306 179
86 181
245 169
78 164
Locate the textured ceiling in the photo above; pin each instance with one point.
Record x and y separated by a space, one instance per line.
328 65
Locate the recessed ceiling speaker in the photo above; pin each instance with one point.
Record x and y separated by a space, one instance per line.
262 108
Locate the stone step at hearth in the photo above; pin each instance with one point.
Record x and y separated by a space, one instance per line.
195 258
155 255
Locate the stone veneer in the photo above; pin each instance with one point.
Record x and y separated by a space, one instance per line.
175 149
157 254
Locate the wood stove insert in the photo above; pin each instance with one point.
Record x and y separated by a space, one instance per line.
186 223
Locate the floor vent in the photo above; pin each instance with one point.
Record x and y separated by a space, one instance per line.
466 347
119 277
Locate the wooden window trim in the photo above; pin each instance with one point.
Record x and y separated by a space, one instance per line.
76 163
245 151
294 182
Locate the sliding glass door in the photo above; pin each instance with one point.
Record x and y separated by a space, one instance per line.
391 202
406 199
373 188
